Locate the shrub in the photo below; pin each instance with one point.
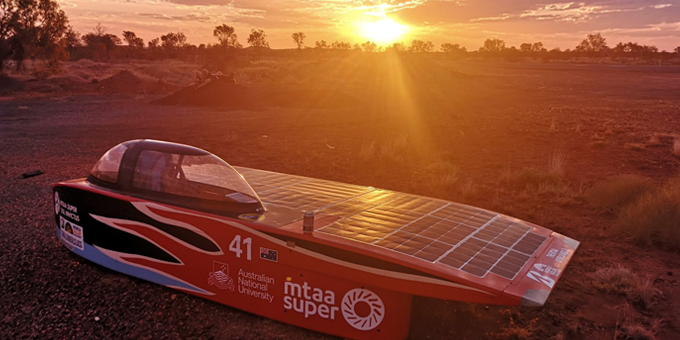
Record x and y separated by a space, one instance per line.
367 151
530 178
440 168
634 146
618 191
654 218
621 280
676 147
556 163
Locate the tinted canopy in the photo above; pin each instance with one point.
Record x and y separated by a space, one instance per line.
177 174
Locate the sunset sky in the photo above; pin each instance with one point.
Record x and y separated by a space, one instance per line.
465 22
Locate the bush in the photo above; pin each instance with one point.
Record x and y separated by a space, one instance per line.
654 218
621 280
618 191
530 178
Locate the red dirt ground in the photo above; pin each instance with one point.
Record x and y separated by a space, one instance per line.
486 119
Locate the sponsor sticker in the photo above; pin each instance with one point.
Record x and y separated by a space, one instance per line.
353 301
361 308
269 254
71 234
562 255
219 277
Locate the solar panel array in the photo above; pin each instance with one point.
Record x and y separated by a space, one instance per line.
470 239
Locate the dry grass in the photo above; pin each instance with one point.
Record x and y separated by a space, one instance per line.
618 191
447 181
390 153
676 147
597 137
440 168
533 179
654 218
654 140
634 331
556 163
469 188
599 144
621 280
367 151
393 151
634 146
230 137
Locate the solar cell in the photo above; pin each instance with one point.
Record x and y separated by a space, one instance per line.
469 239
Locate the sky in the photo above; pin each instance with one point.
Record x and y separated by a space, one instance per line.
464 22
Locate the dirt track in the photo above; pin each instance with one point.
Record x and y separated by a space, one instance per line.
483 118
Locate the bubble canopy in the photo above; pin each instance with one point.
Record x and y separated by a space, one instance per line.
177 174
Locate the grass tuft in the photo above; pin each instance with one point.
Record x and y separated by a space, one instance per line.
654 218
621 280
676 147
634 146
530 178
654 140
599 144
635 331
556 163
367 151
618 191
440 168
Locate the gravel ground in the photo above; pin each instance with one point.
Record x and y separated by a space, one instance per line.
50 293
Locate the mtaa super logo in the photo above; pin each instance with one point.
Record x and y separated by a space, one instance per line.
361 308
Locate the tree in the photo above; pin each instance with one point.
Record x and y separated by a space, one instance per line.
322 45
452 48
299 39
100 43
32 29
398 47
537 47
173 41
154 43
341 45
226 35
369 46
525 47
71 38
258 39
419 46
493 45
593 43
132 39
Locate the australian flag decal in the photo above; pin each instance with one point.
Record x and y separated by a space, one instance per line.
269 254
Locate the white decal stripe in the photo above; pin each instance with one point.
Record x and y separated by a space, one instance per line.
113 222
118 256
381 272
143 207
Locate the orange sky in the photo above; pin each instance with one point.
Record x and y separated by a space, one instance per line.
466 22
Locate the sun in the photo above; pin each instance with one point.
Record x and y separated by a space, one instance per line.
383 31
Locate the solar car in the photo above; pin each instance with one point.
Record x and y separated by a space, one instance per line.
337 258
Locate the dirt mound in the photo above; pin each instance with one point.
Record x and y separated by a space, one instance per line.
218 92
123 82
9 84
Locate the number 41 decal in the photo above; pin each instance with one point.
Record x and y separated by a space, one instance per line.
235 246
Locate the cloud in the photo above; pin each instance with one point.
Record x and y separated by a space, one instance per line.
571 11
